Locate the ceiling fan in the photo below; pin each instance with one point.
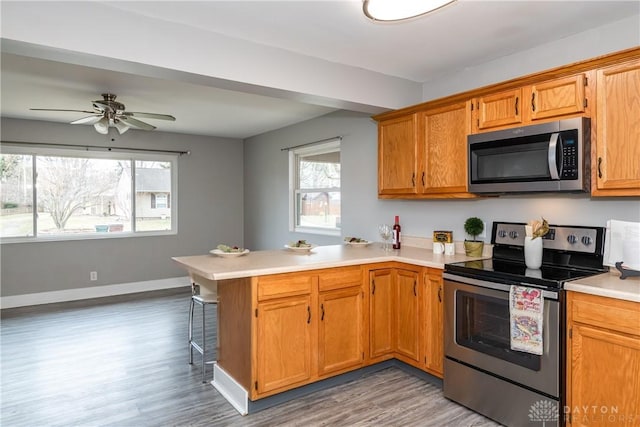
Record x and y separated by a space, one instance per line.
109 112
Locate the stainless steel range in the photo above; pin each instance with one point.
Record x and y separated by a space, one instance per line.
481 370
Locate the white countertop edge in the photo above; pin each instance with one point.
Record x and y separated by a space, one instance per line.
319 266
607 285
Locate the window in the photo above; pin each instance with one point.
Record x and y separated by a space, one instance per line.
315 189
52 194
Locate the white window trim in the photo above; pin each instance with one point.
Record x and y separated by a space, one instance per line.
329 146
8 148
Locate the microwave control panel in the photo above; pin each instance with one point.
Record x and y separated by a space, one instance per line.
569 160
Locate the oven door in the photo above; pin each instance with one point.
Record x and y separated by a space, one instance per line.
477 334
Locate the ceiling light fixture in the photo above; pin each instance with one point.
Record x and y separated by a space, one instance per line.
122 127
102 125
399 10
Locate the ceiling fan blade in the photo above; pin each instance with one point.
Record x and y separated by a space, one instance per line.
58 109
149 115
89 120
136 123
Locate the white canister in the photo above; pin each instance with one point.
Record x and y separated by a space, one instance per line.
449 248
533 252
438 247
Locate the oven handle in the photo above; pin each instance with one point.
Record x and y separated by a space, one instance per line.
497 286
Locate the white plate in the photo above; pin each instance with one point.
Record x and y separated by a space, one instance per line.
297 249
358 244
223 254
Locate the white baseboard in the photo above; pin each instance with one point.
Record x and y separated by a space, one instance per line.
92 292
230 390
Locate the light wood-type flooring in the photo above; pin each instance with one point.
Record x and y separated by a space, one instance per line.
122 361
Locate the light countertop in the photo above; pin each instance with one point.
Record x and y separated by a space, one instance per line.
608 285
261 263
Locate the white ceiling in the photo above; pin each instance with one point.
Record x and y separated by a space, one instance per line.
462 35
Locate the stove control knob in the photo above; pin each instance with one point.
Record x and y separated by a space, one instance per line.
572 239
586 240
513 234
502 233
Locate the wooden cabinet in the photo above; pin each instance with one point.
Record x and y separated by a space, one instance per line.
381 313
434 339
408 295
284 331
308 326
564 97
423 154
603 358
444 155
340 329
398 155
616 145
284 343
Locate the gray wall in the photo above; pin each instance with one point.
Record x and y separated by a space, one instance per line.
210 211
266 183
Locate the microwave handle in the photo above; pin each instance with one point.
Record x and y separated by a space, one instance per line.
551 156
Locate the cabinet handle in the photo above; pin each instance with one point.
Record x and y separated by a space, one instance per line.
440 294
533 101
308 314
322 309
373 288
517 99
413 179
599 167
423 183
415 294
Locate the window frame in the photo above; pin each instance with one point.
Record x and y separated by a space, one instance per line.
85 152
330 146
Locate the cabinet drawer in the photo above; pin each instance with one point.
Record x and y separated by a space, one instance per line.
339 278
609 313
284 285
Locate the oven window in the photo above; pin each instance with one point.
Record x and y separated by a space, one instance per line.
482 324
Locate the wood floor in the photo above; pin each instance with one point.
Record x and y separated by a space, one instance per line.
122 361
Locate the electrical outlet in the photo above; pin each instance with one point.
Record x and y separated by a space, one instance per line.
483 235
93 276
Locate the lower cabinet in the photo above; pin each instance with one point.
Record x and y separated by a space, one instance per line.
433 304
381 312
603 361
284 341
307 326
407 315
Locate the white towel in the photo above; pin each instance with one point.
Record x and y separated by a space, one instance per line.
622 243
526 308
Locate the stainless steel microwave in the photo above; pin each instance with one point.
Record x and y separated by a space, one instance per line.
547 157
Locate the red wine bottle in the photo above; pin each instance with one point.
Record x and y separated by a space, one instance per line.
396 233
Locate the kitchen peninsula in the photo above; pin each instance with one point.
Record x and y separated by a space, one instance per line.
292 319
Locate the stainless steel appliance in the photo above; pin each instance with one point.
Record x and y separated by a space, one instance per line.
481 371
550 156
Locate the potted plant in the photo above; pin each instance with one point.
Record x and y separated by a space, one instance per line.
473 226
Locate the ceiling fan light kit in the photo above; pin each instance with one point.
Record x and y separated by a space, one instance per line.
108 112
400 10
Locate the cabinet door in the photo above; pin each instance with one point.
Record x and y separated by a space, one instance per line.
397 155
445 149
605 376
500 109
381 313
434 352
407 314
283 343
340 330
617 160
555 98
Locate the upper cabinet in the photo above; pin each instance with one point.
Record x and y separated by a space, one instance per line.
423 154
525 105
398 155
616 146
